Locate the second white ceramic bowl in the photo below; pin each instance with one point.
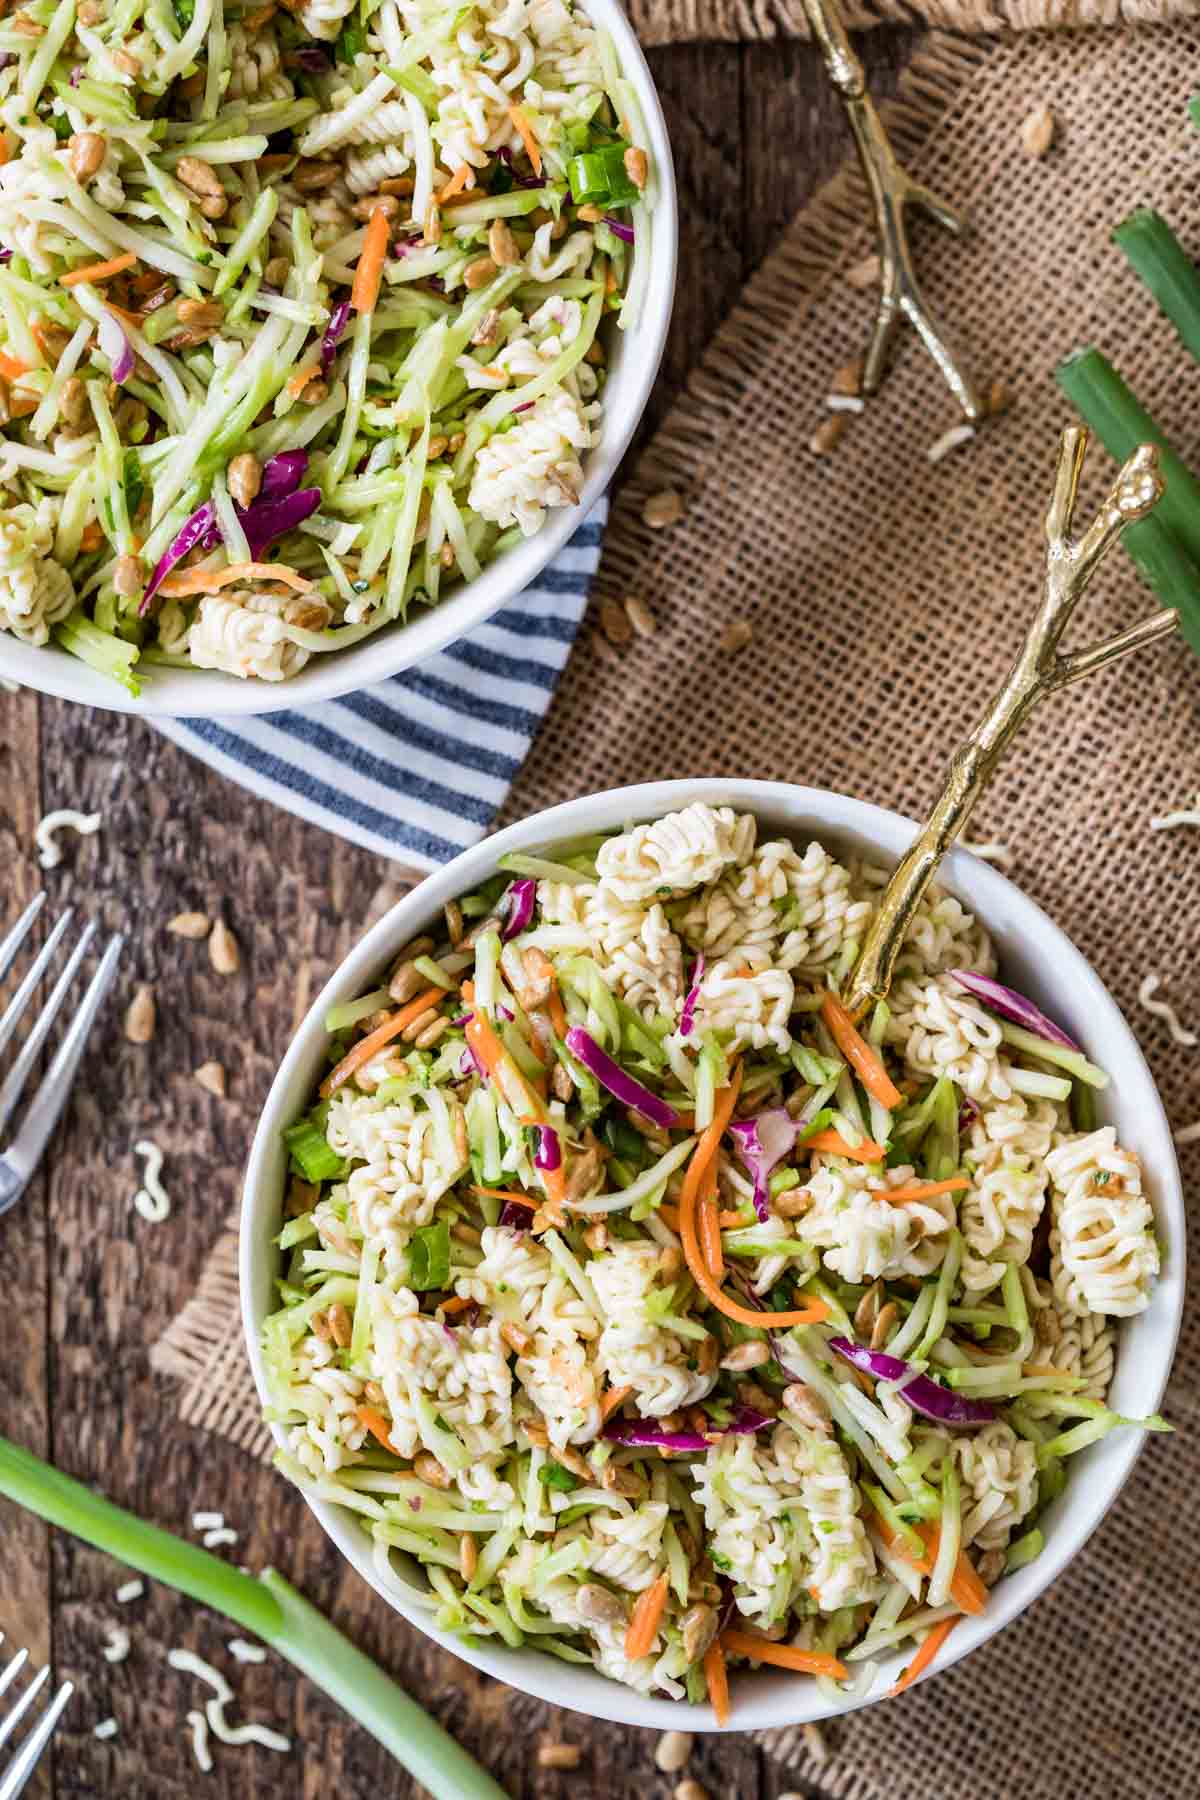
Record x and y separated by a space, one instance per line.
633 364
1035 956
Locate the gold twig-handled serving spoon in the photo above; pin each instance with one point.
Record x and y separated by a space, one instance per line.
892 191
1041 668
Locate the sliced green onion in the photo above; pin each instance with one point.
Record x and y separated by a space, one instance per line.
1166 545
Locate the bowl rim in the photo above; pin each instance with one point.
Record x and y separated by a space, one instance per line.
766 1698
210 694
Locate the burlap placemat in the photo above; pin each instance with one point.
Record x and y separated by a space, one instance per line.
886 596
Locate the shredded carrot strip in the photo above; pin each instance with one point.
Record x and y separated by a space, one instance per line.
455 185
207 581
527 138
612 1399
556 1009
923 1190
728 1221
710 1142
5 148
100 271
555 1183
717 1681
21 409
456 1305
506 1194
375 1040
784 1656
834 1142
494 1057
689 1194
966 1589
11 367
300 380
91 537
866 1062
644 1619
369 273
926 1652
377 1425
709 1226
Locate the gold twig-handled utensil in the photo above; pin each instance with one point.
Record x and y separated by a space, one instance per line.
892 191
1041 668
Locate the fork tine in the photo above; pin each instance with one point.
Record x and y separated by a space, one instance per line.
9 1725
20 999
26 1759
16 937
39 1122
18 1075
14 1668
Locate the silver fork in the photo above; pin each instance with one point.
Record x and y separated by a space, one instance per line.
21 1155
27 1757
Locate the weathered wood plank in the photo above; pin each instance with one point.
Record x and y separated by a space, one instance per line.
24 1396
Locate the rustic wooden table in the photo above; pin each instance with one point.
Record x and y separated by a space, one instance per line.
89 1287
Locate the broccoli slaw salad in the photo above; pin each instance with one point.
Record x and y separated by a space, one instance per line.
672 1319
303 312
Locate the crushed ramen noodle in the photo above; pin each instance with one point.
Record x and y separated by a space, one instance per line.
303 312
666 1316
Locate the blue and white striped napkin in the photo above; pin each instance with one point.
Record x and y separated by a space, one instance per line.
417 768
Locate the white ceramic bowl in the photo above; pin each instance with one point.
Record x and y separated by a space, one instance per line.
1034 955
633 365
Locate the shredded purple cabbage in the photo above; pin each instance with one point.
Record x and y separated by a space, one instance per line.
114 342
508 157
516 1216
517 907
339 318
266 520
1011 1005
549 1151
198 532
277 509
282 474
623 1087
619 228
687 1017
650 1432
922 1394
762 1143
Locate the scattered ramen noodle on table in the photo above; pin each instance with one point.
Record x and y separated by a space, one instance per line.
667 1316
300 312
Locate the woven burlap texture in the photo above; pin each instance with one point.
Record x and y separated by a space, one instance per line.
886 597
727 21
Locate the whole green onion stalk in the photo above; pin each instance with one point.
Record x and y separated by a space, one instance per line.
1166 545
266 1605
1156 254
